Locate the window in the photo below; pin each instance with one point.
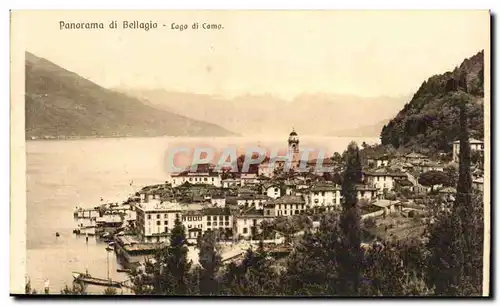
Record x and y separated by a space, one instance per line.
227 218
215 223
158 222
221 218
227 223
209 223
323 193
296 211
279 206
166 229
189 218
245 230
213 179
205 179
165 216
149 216
166 222
276 190
208 218
190 179
189 226
158 216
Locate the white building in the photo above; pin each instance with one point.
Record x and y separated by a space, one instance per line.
155 219
218 201
287 205
248 223
431 166
478 183
276 190
366 192
199 221
252 200
249 179
227 183
475 145
209 178
383 180
324 196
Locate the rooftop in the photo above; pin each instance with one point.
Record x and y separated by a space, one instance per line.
385 203
414 155
196 174
479 180
448 190
288 199
320 188
471 141
212 211
383 172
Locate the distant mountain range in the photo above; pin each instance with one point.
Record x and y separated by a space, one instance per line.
60 103
310 114
371 130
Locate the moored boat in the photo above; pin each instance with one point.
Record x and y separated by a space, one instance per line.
88 279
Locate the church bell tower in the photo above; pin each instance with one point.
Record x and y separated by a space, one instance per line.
293 148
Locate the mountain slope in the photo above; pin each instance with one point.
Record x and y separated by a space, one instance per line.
309 114
430 119
61 103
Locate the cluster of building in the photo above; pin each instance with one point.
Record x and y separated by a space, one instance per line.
235 204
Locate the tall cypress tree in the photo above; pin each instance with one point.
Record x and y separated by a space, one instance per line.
463 201
349 255
451 241
210 261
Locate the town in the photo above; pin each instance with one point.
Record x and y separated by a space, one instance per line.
273 207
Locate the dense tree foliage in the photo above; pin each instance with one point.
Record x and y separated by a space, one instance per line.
429 119
349 255
432 178
456 239
210 261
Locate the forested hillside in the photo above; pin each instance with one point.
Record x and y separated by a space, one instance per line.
430 120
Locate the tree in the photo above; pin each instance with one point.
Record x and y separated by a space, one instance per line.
349 257
451 173
253 276
390 271
477 158
74 290
432 178
454 268
172 267
210 261
110 291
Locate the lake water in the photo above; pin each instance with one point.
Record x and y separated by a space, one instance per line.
64 174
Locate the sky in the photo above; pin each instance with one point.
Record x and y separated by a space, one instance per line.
282 53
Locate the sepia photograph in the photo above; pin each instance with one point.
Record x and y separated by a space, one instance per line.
243 153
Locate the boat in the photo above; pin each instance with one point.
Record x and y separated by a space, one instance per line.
88 279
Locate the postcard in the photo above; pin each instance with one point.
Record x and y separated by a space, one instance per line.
250 153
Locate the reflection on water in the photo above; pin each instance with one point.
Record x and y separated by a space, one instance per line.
64 174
